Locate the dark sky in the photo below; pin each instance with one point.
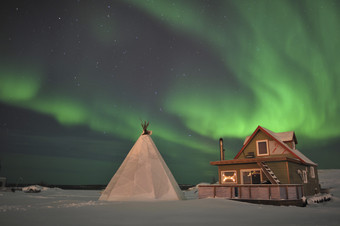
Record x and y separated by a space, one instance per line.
77 78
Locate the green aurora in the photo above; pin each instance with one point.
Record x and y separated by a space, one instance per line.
268 63
286 62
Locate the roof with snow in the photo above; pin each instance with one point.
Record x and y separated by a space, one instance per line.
284 136
280 138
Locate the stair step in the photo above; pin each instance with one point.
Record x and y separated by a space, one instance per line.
270 173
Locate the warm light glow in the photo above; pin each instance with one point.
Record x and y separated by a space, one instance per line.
226 178
229 177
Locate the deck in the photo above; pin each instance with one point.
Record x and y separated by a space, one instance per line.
274 194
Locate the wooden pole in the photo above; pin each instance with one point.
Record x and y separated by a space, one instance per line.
221 150
240 192
231 192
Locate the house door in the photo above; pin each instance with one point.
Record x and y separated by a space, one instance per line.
251 176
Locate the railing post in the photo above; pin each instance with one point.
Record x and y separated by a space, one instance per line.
231 192
249 192
240 192
297 192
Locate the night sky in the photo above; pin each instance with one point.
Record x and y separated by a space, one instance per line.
77 78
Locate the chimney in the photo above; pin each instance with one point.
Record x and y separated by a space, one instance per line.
221 149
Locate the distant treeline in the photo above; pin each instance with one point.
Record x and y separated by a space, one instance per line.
84 187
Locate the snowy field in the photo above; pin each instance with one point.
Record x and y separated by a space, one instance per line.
74 207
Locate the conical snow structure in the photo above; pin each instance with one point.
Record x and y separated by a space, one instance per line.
142 176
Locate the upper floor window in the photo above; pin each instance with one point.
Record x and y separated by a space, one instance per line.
262 147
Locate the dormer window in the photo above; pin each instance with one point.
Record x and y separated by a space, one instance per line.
262 147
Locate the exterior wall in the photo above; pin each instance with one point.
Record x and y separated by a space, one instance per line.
280 170
252 192
286 172
312 186
251 147
315 181
238 168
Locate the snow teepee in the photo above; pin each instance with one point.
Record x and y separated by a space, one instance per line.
143 175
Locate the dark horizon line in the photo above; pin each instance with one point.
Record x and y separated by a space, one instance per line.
79 187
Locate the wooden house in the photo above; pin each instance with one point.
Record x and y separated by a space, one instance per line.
268 167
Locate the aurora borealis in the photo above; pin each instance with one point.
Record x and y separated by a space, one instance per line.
76 78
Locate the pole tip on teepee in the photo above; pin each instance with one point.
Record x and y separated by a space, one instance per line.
145 127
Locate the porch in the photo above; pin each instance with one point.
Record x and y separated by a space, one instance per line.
274 194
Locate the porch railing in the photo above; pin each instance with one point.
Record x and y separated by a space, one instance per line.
252 191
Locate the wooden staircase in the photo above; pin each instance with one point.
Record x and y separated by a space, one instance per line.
269 173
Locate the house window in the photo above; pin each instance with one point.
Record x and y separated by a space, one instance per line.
262 147
312 172
251 176
228 177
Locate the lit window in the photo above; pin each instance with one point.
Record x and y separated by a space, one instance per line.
228 177
262 147
251 176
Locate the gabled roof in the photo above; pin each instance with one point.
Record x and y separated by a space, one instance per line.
284 136
280 138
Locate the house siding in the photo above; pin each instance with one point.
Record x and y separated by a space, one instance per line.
238 168
251 147
285 169
312 186
280 171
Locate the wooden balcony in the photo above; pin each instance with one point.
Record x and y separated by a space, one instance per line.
274 194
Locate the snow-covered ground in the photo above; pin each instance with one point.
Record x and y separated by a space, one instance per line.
73 207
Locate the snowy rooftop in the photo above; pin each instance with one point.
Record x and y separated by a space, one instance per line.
283 137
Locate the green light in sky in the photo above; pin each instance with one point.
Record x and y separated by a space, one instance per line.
287 63
285 67
65 110
21 89
18 84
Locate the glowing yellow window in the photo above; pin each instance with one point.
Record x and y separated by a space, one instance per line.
228 177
